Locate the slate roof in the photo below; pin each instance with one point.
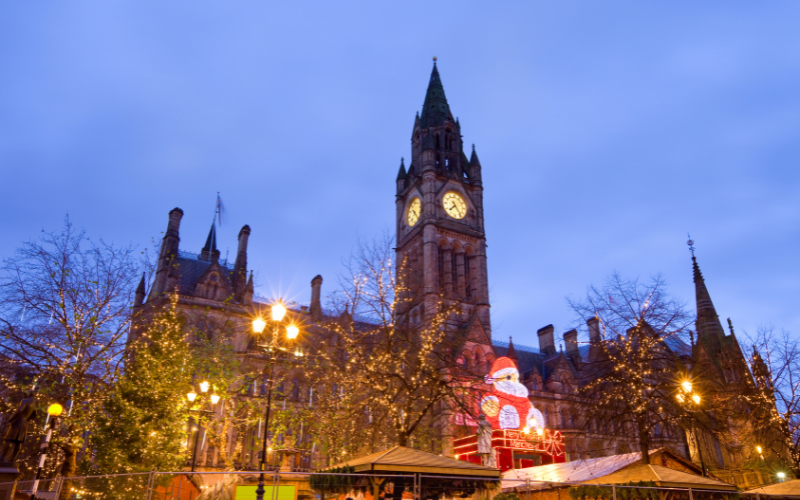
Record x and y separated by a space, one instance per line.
435 109
401 460
191 268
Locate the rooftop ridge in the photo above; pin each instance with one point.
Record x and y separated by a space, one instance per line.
518 347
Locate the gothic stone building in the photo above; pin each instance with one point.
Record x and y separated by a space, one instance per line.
440 232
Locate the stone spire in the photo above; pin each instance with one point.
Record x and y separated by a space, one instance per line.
209 251
512 353
435 108
401 174
709 329
140 293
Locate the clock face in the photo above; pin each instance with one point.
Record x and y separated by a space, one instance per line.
413 212
454 205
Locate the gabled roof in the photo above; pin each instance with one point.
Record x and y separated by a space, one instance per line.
664 476
598 470
401 459
190 269
786 489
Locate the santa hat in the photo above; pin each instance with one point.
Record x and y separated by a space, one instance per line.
502 367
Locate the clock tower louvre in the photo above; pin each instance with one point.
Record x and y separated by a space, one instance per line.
440 224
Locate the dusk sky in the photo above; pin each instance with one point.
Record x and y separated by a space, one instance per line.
607 131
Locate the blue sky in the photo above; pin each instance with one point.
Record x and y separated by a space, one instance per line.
606 131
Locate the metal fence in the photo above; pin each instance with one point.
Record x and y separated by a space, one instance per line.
280 485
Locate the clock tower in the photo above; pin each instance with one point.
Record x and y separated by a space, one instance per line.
440 233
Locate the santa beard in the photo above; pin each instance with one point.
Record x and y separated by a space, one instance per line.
511 388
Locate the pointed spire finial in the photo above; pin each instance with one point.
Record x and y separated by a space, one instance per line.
434 59
691 244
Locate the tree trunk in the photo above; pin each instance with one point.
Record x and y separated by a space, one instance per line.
68 469
644 444
402 439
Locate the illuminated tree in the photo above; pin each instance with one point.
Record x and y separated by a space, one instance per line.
387 373
142 425
64 316
775 401
634 359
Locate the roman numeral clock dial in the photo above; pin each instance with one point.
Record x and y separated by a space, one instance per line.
414 211
454 205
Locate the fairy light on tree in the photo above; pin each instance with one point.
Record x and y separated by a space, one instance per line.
633 353
388 375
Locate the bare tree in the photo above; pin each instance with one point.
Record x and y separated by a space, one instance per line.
65 306
775 403
631 376
388 374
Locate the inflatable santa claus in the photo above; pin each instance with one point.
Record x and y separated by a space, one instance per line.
507 406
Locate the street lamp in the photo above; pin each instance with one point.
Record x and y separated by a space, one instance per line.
275 350
684 399
53 412
192 396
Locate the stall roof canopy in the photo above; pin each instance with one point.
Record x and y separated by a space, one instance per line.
599 470
788 489
403 460
664 476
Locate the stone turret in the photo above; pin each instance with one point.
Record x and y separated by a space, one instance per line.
140 293
209 252
315 308
167 254
240 266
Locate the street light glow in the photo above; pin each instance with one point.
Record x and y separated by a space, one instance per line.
214 399
259 325
55 410
687 386
278 312
204 385
291 332
696 399
191 395
758 449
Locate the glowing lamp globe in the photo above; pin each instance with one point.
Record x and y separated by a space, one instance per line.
696 399
214 399
687 386
278 312
55 410
191 396
291 332
259 325
758 449
204 385
781 475
539 431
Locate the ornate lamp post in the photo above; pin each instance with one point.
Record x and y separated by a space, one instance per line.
192 396
275 349
54 411
690 400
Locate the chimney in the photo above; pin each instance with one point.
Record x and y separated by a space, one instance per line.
547 344
594 328
316 307
571 345
240 266
593 324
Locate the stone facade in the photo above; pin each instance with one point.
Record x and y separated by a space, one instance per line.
445 248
